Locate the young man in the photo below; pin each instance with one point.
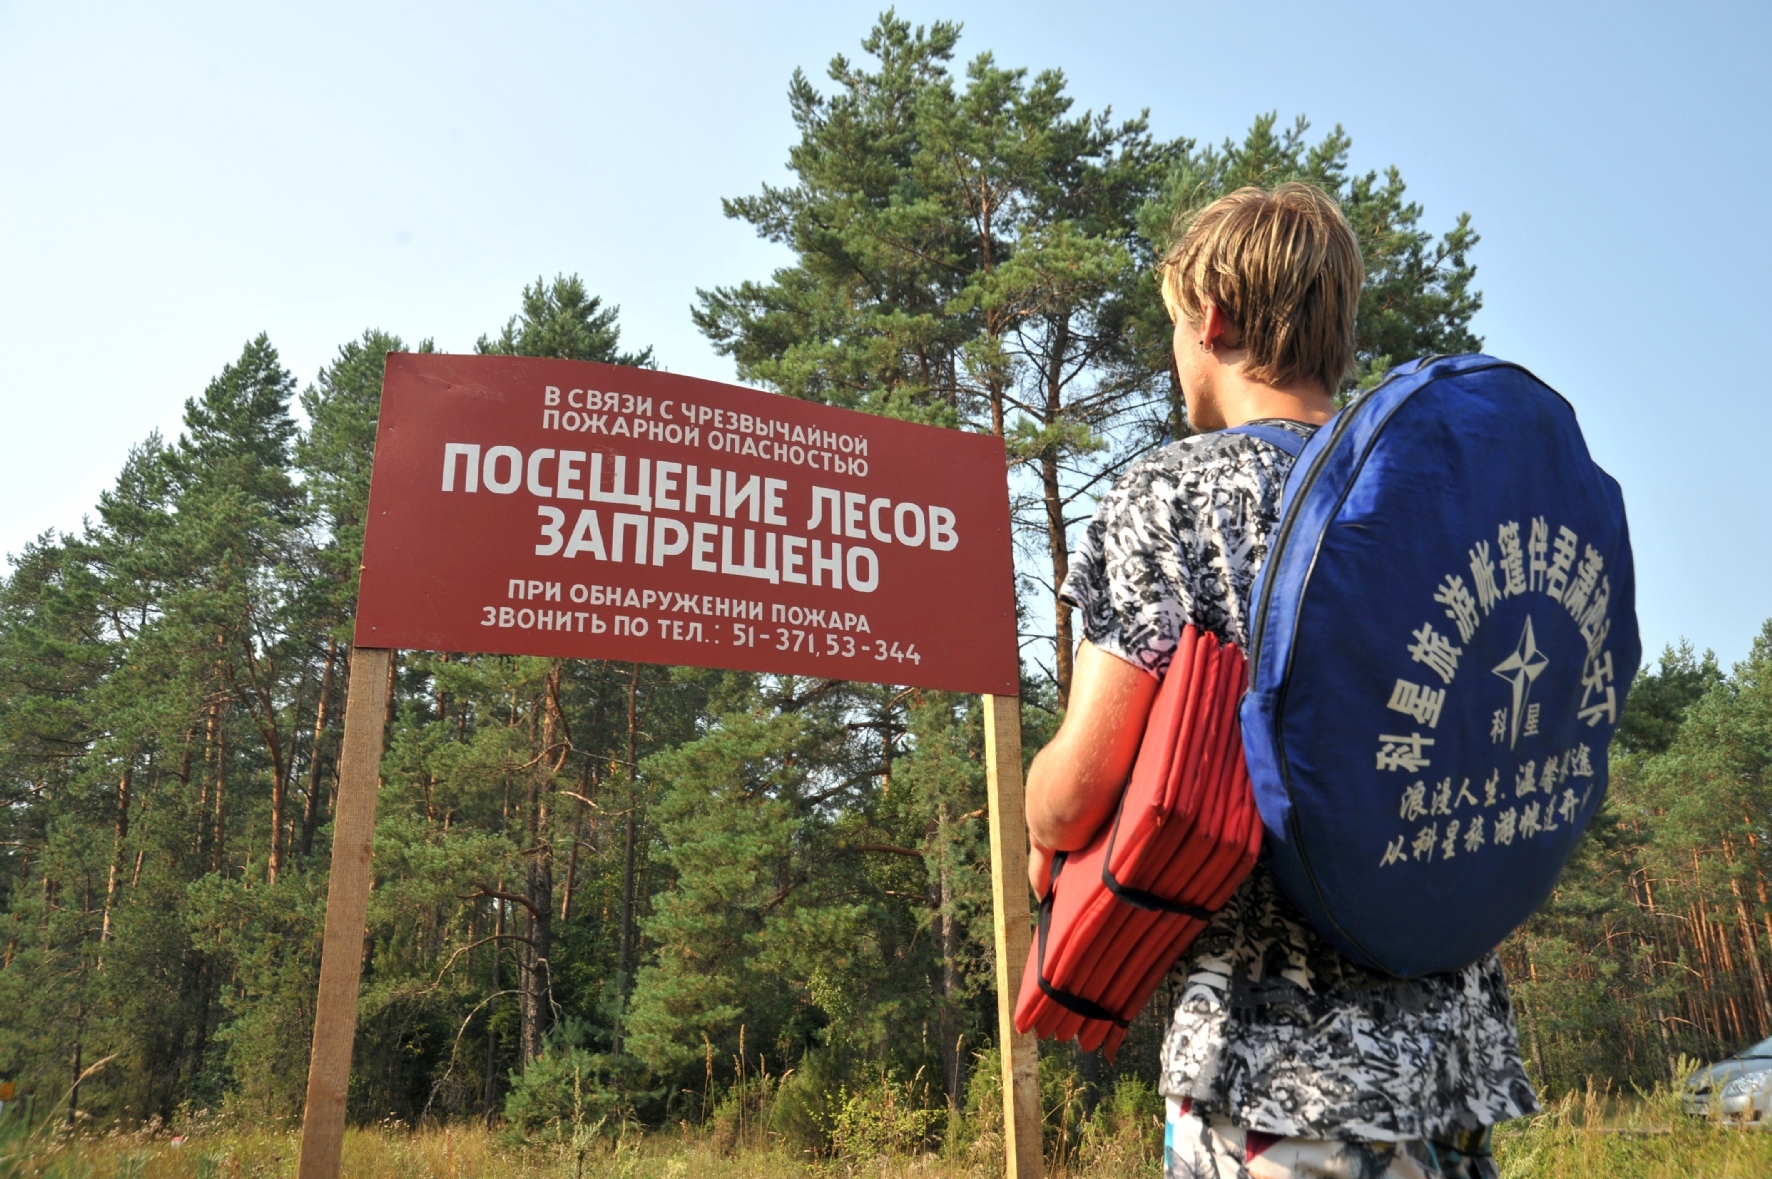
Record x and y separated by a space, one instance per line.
1283 1058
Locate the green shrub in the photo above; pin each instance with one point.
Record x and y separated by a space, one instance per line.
564 1095
1064 1101
981 1133
886 1118
742 1120
807 1103
1125 1133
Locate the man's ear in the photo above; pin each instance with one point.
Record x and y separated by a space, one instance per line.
1216 330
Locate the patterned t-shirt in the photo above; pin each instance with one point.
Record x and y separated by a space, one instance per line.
1275 1029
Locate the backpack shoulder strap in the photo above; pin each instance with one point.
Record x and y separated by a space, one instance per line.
1278 436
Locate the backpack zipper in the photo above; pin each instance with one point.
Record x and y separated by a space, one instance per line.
1274 550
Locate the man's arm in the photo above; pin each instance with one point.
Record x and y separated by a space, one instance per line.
1076 780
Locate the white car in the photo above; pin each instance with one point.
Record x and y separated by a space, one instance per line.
1738 1089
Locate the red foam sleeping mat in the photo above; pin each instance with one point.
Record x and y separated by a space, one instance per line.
1123 909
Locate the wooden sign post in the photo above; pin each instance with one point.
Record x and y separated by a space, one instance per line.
521 506
1009 904
347 911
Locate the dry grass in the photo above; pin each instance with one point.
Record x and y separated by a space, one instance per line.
1598 1135
1589 1137
456 1152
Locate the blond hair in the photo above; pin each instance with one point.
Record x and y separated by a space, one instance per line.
1283 269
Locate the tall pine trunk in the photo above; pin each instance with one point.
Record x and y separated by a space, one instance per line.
74 1088
218 848
490 1092
310 815
1059 545
948 928
205 834
539 891
119 838
578 827
625 957
279 809
1052 496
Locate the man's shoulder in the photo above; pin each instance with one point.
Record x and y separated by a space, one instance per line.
1199 460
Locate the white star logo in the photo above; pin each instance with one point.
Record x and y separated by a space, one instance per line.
1526 664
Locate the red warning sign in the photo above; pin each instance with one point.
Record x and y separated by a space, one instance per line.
549 507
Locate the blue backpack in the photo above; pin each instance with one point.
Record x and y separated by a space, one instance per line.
1440 645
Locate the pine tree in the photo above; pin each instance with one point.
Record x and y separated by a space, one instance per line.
563 321
979 256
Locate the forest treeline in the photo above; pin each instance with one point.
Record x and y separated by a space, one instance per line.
635 886
1657 942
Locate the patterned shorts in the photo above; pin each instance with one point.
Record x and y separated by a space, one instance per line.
1211 1148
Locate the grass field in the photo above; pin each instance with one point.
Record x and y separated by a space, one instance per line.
1577 1139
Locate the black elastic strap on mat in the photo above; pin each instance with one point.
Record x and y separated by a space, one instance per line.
1138 898
1075 1004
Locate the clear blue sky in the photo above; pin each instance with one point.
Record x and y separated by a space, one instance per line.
175 178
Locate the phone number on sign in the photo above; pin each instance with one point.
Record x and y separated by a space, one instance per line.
818 643
842 646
